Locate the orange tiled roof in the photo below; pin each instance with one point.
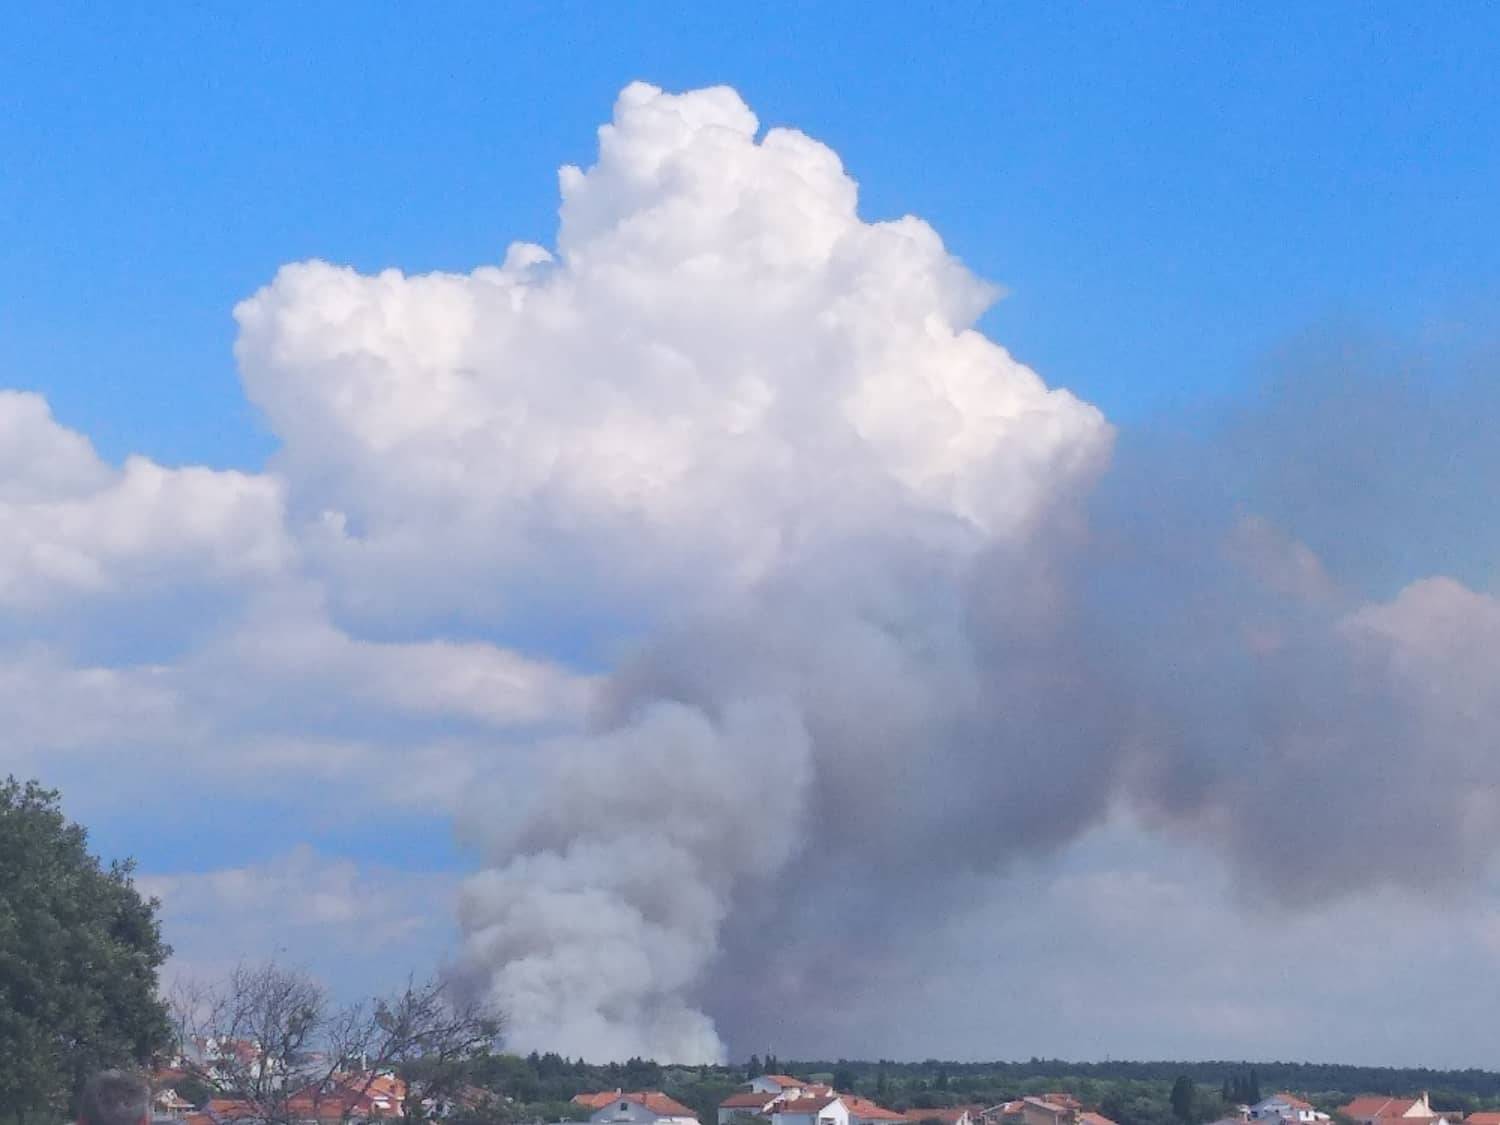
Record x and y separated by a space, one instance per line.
654 1100
596 1100
661 1105
362 1095
1049 1104
948 1114
867 1110
806 1104
1377 1105
227 1109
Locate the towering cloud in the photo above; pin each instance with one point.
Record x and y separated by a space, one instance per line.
721 368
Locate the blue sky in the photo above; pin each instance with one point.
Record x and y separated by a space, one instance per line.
1193 210
1168 191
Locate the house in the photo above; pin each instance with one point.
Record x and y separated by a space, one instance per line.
1286 1107
1050 1109
357 1099
222 1058
223 1111
794 1102
947 1115
862 1111
471 1098
1045 1111
642 1107
1484 1117
747 1103
1367 1109
811 1109
776 1084
1379 1109
595 1101
351 1097
1003 1113
169 1104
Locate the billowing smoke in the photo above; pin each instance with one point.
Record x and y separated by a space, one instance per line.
895 621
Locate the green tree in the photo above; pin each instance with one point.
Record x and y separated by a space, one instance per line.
79 954
1182 1098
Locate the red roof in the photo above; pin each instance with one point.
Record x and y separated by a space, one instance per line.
596 1101
661 1105
654 1100
785 1081
1051 1106
361 1095
1377 1105
867 1110
950 1115
806 1105
228 1109
1483 1118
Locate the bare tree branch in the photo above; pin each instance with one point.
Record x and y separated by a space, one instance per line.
270 1041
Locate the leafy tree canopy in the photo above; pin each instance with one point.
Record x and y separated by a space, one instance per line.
79 954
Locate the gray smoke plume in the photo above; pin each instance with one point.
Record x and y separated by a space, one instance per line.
947 712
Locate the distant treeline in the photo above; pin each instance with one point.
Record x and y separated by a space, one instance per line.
1329 1078
537 1087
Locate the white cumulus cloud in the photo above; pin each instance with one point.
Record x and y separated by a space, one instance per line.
721 364
77 527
